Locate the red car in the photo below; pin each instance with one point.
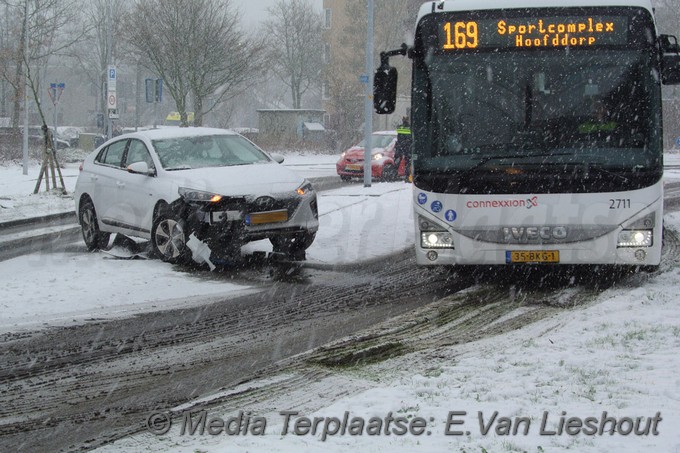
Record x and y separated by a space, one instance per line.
351 163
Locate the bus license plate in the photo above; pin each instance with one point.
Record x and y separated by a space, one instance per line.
532 256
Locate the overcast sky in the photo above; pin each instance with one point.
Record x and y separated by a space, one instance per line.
254 11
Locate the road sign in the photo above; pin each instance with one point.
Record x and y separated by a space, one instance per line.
112 78
111 100
55 90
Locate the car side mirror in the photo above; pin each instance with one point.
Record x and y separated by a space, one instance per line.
277 157
670 60
140 168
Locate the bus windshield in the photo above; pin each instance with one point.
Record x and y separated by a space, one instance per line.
547 101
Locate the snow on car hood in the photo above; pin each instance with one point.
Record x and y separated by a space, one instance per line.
255 179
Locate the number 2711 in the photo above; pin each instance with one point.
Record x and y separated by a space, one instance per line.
619 203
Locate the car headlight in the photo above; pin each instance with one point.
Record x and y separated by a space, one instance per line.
342 156
635 238
198 195
305 188
436 240
378 156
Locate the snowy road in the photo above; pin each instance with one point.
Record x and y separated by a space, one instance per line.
99 380
82 386
102 379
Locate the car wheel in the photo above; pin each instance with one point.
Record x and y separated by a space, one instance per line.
293 245
389 173
169 238
94 238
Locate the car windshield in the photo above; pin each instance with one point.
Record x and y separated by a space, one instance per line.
183 153
378 141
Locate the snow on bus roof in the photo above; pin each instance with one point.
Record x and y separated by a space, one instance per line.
467 5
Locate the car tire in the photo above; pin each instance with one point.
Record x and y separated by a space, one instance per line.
389 173
293 245
94 238
169 238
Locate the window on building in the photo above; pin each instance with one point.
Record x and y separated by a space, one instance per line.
327 16
325 91
326 53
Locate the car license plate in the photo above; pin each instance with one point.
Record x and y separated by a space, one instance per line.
532 256
354 167
259 218
218 216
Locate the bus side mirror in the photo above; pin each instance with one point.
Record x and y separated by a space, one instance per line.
385 89
670 60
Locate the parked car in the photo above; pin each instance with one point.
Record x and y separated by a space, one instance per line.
351 162
36 137
167 184
70 134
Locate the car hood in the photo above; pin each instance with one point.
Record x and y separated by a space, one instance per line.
257 179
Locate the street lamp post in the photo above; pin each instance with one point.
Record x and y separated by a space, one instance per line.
368 102
25 81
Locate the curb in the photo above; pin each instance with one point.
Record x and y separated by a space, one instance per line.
36 220
38 242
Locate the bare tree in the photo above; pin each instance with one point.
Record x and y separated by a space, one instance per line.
91 56
7 45
157 29
197 48
51 31
48 28
225 61
296 39
394 20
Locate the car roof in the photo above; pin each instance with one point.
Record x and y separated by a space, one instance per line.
178 132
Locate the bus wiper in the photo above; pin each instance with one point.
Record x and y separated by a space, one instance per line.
486 159
602 171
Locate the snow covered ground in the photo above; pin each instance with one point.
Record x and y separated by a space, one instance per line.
617 357
357 224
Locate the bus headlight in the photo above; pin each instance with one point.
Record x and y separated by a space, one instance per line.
635 238
436 240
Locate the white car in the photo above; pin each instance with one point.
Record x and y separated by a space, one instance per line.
168 184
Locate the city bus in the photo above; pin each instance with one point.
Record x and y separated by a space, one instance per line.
537 134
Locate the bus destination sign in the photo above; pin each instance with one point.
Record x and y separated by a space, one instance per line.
533 32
